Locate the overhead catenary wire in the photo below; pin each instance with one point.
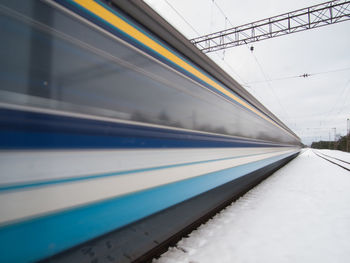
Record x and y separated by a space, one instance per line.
195 31
231 69
226 60
330 115
223 58
259 65
269 85
178 13
343 94
223 13
304 75
334 105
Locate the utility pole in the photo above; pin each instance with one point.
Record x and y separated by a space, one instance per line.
335 132
347 134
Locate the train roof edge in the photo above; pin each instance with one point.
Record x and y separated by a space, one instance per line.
157 25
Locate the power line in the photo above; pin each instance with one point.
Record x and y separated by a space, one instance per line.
305 75
223 58
231 68
332 71
259 65
345 97
337 99
182 18
329 116
222 12
269 85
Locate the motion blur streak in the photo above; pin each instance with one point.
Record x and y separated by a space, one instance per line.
103 123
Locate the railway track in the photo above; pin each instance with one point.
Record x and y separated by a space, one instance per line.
336 161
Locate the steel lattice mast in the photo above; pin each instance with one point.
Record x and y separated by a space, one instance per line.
303 19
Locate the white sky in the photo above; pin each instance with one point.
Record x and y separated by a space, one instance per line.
311 106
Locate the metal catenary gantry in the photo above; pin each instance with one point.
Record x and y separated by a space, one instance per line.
303 19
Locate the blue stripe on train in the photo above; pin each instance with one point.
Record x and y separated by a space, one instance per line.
89 177
46 236
115 31
31 130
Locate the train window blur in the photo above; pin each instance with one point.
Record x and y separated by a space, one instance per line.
54 60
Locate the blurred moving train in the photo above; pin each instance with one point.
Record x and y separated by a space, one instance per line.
110 116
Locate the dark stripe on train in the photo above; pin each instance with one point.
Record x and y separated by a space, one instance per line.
98 21
100 84
30 130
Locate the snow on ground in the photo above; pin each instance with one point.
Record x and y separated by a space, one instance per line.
299 214
337 154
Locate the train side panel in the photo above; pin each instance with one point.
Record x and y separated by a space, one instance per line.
103 124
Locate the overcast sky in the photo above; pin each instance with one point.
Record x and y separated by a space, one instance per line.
312 107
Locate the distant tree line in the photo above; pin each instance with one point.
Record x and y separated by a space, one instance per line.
340 144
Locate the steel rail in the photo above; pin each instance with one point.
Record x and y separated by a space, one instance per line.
335 158
325 158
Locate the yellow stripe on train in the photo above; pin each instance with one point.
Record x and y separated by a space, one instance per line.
119 23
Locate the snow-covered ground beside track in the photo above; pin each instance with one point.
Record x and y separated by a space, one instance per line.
299 214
